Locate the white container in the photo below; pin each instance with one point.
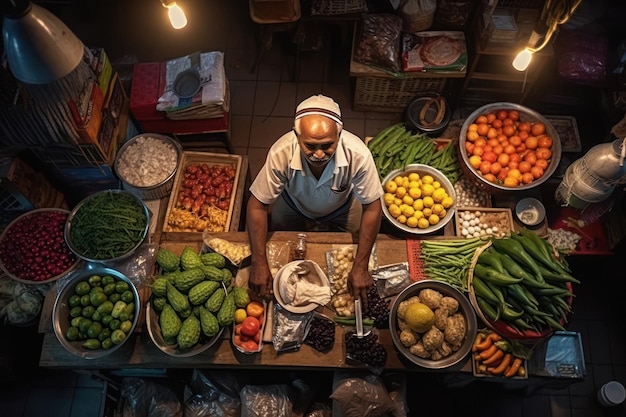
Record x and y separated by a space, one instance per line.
611 394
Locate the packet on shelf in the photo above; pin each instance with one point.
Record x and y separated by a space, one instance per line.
339 264
235 252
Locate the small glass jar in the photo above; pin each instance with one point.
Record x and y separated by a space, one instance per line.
299 250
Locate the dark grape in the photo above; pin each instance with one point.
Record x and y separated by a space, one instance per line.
366 349
321 335
377 308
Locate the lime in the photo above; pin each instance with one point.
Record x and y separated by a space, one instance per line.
115 324
109 288
106 320
85 301
96 289
127 296
97 298
126 326
94 330
115 297
91 344
105 308
72 333
104 334
74 300
82 288
76 321
419 317
107 343
96 316
117 336
121 286
76 311
88 311
108 279
95 280
84 325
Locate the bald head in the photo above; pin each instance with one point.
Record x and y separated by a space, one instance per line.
317 136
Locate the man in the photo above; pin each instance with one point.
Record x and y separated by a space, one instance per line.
316 174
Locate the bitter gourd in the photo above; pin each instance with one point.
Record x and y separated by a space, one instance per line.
242 298
215 301
170 322
159 302
212 272
188 278
208 323
189 258
226 314
167 260
189 333
177 299
201 292
159 288
213 259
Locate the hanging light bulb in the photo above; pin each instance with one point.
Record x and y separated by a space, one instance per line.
175 13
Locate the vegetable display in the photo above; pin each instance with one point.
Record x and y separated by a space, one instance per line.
107 225
517 282
496 356
449 260
396 147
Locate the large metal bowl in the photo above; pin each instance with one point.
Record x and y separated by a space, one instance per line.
76 216
61 312
464 307
422 169
526 114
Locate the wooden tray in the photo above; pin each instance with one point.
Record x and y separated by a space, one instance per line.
506 212
189 158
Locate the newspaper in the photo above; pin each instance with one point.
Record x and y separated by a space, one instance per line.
209 101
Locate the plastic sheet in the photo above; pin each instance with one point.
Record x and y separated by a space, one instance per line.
379 42
581 56
145 398
267 400
363 396
214 394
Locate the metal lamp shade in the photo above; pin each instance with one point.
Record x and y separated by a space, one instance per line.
40 48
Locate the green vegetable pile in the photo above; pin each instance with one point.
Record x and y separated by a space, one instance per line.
395 147
102 312
517 280
194 296
108 225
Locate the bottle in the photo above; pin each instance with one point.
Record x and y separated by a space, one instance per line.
299 252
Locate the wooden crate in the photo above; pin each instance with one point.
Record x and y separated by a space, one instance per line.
211 159
505 227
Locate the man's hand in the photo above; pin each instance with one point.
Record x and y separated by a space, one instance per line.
260 280
359 280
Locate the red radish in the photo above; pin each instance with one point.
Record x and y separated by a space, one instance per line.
33 248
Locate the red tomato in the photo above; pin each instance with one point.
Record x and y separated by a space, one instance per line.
250 326
502 114
489 156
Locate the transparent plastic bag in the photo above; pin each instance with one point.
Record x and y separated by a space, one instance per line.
267 400
145 398
379 41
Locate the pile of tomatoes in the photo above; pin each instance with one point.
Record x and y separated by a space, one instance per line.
507 150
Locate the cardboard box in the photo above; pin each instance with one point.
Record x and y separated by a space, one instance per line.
194 159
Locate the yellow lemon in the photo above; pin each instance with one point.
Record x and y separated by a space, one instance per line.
436 184
442 214
438 209
427 179
418 204
423 223
408 211
388 198
400 192
414 176
401 218
419 317
407 199
418 214
427 212
428 201
406 183
439 194
411 221
447 202
475 161
391 187
415 184
240 315
394 211
433 219
415 193
398 180
397 201
428 189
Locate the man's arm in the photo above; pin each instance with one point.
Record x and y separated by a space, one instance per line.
260 280
360 279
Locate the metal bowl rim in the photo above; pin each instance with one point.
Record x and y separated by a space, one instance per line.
447 115
72 214
556 144
464 305
63 294
445 182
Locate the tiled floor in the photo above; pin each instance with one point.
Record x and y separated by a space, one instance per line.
262 106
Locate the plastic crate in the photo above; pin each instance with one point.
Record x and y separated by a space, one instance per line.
394 95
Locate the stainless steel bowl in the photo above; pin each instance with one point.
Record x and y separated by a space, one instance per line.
464 307
61 320
75 216
427 125
526 114
422 169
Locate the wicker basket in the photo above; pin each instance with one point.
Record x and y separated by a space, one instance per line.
389 94
500 326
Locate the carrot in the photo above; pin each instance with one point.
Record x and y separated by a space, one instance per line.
488 352
512 371
477 340
499 370
494 359
488 341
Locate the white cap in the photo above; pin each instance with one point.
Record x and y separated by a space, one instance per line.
319 104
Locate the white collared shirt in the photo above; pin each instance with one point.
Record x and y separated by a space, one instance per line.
350 170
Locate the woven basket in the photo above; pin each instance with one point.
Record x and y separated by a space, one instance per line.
500 326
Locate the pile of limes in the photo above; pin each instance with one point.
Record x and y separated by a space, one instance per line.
416 201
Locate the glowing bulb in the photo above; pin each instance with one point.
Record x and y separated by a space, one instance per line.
176 15
522 60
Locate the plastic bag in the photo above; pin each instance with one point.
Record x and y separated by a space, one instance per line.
144 398
288 330
267 400
379 42
364 396
417 15
581 56
213 394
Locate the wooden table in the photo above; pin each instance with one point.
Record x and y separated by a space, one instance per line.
141 352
